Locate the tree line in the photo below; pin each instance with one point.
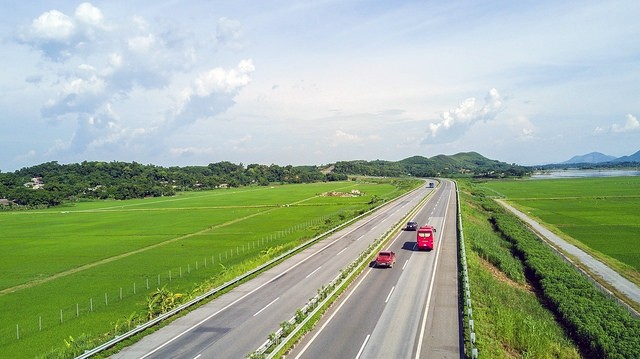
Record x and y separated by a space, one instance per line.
51 183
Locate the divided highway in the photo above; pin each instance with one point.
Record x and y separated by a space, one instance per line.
409 311
240 321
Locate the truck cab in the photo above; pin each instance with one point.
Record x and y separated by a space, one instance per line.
424 237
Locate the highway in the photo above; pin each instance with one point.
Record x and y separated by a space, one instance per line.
240 321
409 311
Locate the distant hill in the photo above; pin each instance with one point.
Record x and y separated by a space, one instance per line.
632 158
593 157
595 160
460 164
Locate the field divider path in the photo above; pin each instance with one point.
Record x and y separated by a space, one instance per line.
62 274
613 279
33 283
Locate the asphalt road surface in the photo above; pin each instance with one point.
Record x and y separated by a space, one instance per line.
239 322
597 268
408 311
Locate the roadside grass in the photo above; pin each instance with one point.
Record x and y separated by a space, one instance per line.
599 215
77 271
510 321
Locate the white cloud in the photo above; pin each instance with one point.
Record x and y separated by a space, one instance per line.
211 93
342 137
59 36
456 122
631 125
221 80
51 25
89 14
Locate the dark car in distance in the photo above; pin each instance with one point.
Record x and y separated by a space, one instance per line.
411 226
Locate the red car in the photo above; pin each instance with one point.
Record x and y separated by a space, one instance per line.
386 259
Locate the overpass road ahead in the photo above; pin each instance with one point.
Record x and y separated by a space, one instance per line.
409 311
240 321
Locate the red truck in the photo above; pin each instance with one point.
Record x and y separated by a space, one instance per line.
424 238
386 259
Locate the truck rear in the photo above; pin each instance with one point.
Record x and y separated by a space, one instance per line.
424 237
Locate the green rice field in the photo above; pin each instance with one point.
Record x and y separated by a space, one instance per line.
81 268
601 213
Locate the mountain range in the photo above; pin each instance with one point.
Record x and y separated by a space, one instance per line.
599 158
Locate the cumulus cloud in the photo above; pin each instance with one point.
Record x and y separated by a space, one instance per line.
89 15
97 64
631 125
212 92
456 122
59 36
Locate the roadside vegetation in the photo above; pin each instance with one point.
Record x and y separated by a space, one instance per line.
510 321
77 275
553 312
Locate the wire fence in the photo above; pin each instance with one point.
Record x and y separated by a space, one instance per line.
130 293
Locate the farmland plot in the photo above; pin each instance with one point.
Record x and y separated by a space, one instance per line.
81 269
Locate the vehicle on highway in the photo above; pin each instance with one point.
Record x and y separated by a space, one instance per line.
385 259
411 226
424 237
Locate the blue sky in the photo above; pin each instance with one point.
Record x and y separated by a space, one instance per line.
177 83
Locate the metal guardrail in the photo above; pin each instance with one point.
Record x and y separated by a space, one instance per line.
155 321
142 327
473 351
312 307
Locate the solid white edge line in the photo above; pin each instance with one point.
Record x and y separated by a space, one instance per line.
244 296
362 346
433 276
248 294
266 306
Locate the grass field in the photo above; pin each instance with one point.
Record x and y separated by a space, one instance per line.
510 321
601 213
80 268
